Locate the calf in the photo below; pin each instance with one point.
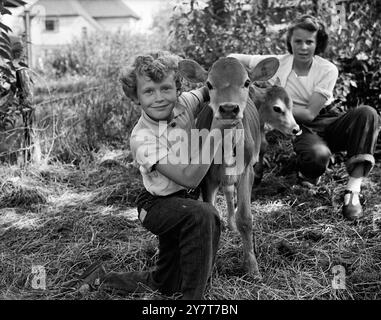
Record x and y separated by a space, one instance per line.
228 82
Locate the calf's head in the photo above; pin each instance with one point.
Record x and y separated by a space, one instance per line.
228 83
276 110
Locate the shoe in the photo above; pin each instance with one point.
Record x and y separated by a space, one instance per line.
352 210
93 275
307 182
129 282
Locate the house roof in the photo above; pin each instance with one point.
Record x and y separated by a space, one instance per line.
94 8
107 8
13 3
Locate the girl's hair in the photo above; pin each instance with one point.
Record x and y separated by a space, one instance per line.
312 24
155 66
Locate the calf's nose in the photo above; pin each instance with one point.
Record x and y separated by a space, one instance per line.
297 131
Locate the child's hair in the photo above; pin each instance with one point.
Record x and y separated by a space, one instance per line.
312 24
156 66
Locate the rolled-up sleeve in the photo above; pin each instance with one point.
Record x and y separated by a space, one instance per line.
147 149
326 81
194 100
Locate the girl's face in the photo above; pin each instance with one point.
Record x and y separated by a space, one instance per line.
303 44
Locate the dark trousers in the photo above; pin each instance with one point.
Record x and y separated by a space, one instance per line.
355 132
188 232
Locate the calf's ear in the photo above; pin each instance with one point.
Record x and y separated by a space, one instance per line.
265 69
192 71
129 90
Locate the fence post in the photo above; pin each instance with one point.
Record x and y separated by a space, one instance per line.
26 95
28 38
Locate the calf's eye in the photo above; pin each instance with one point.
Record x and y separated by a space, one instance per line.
208 84
247 83
277 109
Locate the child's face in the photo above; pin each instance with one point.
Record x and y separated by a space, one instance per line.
157 98
303 43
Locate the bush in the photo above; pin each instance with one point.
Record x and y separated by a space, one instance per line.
72 128
16 110
100 54
89 109
356 51
223 27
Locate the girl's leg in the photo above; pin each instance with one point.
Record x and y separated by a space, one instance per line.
312 157
355 132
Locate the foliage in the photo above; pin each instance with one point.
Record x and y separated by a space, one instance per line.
100 54
73 123
89 109
227 26
222 27
356 50
161 18
10 62
15 84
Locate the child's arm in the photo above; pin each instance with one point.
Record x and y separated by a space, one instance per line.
190 175
195 100
245 59
250 60
151 154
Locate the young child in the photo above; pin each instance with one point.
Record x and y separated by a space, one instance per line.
188 229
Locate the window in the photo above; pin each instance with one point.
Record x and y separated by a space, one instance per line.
51 25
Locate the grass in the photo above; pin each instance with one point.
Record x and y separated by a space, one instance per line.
64 217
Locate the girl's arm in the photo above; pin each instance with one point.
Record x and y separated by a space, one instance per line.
306 115
323 90
245 59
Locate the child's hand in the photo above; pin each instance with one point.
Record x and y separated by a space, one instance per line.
222 124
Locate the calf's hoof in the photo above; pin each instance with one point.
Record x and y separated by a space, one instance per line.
251 267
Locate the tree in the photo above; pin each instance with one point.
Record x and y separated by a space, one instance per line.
15 85
258 27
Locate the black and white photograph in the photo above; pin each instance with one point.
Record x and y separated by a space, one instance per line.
212 151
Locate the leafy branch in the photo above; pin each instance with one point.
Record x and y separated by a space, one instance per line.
15 84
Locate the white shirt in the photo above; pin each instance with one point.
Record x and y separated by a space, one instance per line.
321 78
149 141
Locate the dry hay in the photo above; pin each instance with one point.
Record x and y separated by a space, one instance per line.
76 227
116 183
300 236
19 190
14 195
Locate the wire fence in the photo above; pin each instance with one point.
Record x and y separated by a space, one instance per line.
14 131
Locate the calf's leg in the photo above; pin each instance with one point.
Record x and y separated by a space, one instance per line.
245 222
259 166
229 196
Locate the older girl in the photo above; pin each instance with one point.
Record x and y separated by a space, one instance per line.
310 80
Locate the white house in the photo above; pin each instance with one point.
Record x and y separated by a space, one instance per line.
57 22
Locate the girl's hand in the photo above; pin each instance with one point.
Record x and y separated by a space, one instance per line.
221 124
